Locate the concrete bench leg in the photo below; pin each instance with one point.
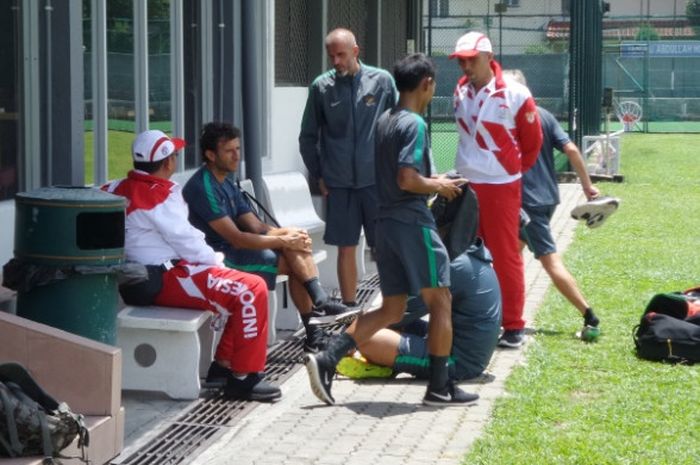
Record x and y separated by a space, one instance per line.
272 318
165 350
288 318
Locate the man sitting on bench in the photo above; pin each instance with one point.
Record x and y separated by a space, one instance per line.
219 209
159 236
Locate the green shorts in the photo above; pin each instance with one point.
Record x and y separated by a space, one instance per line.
410 257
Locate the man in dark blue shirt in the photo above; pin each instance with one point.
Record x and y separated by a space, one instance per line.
540 199
218 208
476 324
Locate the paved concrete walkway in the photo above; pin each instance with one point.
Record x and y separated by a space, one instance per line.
381 422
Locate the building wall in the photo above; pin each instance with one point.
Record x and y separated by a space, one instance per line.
481 7
287 111
647 7
281 107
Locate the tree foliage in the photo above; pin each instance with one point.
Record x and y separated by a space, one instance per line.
692 12
647 32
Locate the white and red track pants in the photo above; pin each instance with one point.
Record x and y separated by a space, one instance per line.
242 296
499 220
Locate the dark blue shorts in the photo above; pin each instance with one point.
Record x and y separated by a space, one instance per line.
347 212
537 234
260 262
410 257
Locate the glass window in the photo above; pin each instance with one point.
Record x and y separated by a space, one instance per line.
120 88
159 65
10 94
120 80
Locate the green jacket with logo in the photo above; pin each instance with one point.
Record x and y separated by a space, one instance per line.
337 133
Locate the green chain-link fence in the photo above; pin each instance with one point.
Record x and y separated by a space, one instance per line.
519 38
653 66
652 63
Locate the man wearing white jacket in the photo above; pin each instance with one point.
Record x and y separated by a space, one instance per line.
159 235
499 139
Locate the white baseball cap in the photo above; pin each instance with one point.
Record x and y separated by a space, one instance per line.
470 44
154 145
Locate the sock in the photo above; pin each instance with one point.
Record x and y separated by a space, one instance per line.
305 321
439 374
589 318
352 303
316 292
339 346
419 367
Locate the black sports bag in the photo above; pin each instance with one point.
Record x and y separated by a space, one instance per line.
670 328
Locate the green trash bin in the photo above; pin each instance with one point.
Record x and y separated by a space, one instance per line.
71 238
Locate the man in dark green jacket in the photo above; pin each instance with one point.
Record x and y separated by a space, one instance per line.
337 145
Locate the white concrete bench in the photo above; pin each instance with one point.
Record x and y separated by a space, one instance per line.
165 349
290 202
8 299
169 349
288 199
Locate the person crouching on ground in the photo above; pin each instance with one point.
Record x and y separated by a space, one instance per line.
476 323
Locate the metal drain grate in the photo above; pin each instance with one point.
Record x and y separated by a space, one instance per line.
200 425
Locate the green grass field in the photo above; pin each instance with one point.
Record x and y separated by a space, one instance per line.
443 140
119 154
592 404
119 138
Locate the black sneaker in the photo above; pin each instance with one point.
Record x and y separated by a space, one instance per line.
316 339
217 376
331 312
590 318
321 373
252 387
451 395
512 338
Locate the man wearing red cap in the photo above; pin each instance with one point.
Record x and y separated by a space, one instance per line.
499 139
159 236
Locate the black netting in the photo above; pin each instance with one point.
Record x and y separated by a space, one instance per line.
522 38
652 62
653 66
292 43
394 32
350 14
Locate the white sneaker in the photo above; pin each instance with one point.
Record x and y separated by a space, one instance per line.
595 211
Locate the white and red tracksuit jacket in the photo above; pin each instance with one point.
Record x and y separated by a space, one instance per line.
499 138
499 130
158 231
157 228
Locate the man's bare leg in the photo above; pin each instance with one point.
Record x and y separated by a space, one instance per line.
347 273
439 303
563 280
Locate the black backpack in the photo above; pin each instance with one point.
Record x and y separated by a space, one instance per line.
457 220
669 330
32 422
